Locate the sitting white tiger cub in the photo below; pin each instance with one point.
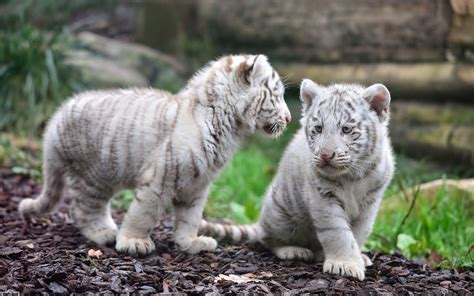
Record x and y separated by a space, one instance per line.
323 201
167 146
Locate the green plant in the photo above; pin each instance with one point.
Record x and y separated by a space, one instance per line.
21 155
47 14
33 78
237 193
439 227
123 199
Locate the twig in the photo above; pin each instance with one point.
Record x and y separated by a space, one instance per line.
412 205
387 241
402 187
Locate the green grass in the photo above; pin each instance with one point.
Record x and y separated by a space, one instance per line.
237 193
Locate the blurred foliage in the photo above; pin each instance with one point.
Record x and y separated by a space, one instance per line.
21 154
47 14
198 52
33 78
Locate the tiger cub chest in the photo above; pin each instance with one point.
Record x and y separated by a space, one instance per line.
352 195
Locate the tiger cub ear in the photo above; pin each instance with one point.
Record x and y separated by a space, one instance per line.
378 97
309 93
255 69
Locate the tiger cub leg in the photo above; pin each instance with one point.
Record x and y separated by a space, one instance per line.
188 215
293 253
90 210
142 216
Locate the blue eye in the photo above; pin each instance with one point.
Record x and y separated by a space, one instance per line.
346 129
318 129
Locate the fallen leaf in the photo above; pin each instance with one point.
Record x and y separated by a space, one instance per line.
94 253
235 278
249 275
45 221
166 256
26 243
434 259
166 288
266 274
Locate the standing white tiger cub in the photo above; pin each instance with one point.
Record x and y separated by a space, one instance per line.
323 201
167 146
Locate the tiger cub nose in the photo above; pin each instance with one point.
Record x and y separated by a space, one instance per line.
327 156
288 118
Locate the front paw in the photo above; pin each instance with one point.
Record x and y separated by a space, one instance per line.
353 267
367 261
134 246
293 253
199 244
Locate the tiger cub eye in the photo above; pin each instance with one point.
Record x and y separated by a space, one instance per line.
346 129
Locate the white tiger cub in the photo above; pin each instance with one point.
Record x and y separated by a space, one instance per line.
324 198
169 147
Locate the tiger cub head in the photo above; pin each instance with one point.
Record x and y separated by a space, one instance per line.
345 125
260 93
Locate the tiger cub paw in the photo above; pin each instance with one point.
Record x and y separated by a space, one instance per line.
134 246
199 244
293 253
353 267
100 234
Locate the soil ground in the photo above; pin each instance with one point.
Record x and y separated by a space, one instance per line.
50 256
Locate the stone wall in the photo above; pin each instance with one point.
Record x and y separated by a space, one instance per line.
331 31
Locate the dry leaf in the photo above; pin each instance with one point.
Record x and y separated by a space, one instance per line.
249 275
266 274
235 278
166 256
26 243
94 253
166 288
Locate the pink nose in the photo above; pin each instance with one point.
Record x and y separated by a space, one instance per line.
327 157
288 118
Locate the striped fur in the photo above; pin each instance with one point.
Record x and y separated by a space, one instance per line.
325 209
168 147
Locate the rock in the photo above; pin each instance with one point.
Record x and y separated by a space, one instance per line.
331 31
313 30
445 143
462 7
105 62
421 113
438 81
462 30
441 132
464 186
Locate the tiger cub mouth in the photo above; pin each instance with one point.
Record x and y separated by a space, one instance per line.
274 129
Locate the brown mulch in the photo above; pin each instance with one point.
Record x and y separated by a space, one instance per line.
50 256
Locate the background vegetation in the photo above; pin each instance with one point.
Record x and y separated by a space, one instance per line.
34 80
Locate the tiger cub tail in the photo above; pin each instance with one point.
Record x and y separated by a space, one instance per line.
235 234
52 192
